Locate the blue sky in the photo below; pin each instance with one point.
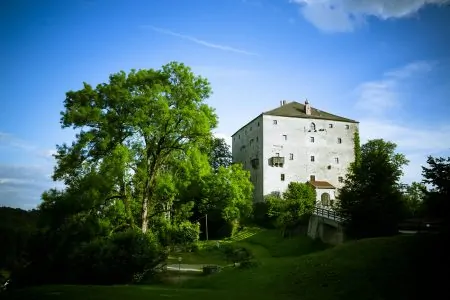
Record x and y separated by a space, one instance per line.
385 63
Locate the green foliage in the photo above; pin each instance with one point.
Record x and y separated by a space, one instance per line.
132 128
292 209
437 174
16 229
220 155
371 198
357 147
413 196
169 234
117 258
227 195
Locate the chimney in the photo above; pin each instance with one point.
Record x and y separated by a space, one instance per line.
281 103
307 107
284 102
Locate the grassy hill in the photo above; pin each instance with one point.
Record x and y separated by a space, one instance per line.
384 268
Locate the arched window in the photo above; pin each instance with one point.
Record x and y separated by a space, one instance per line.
325 199
312 127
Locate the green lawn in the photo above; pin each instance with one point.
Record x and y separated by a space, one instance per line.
384 268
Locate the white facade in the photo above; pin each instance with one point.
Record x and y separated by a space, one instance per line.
310 147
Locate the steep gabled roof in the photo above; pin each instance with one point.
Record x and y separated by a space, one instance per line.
321 184
297 110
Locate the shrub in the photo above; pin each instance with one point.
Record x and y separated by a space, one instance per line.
122 258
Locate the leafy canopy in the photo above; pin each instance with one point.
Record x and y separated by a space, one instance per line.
371 198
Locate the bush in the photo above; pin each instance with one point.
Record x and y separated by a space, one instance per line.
236 254
185 234
122 258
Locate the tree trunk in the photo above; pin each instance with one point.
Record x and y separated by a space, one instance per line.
126 203
144 212
148 193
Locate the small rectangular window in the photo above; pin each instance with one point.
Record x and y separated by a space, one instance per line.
330 125
282 177
239 137
291 156
312 178
336 160
312 158
341 179
251 128
277 154
274 122
347 126
311 139
258 124
285 137
256 138
339 141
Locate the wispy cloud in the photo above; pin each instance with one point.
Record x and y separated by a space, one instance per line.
199 41
21 185
346 15
379 95
415 140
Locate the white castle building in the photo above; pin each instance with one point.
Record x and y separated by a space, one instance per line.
296 142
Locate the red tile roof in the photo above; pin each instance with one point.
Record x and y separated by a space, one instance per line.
321 184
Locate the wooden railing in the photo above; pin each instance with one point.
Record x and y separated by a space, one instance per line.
327 213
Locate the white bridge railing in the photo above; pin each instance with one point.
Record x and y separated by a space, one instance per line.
328 213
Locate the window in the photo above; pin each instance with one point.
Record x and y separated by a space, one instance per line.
341 179
336 160
256 138
277 154
325 199
339 140
291 156
251 128
312 178
275 122
311 139
312 127
239 137
285 137
312 158
330 125
282 177
347 126
258 124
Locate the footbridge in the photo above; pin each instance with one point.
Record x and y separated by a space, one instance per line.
326 224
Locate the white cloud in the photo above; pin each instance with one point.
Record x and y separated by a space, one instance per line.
8 140
345 15
377 96
199 41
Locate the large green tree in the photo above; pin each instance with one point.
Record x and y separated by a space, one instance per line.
133 126
371 199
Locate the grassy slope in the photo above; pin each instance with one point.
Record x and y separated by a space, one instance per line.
385 268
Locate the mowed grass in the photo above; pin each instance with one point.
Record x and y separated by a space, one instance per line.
383 268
